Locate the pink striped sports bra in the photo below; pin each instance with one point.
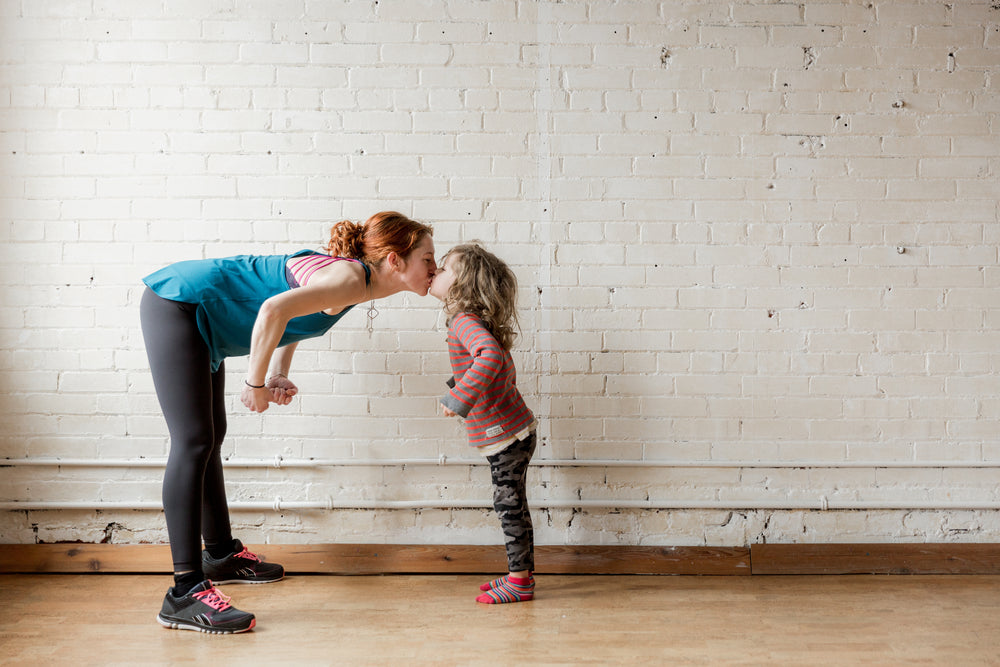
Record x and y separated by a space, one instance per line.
300 269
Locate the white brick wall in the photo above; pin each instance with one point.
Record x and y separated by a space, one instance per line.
745 231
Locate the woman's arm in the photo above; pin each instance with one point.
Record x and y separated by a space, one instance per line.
331 290
282 388
281 360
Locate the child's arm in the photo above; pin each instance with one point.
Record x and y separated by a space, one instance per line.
448 412
487 360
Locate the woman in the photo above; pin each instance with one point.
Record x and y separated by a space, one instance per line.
195 314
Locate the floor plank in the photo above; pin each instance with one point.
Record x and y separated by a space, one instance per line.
71 558
580 620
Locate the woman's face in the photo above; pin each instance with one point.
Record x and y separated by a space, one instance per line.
419 267
444 279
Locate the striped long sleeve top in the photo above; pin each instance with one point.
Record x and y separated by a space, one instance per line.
484 385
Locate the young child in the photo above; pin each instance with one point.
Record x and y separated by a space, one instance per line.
479 293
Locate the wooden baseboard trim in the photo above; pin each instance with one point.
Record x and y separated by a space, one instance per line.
766 559
875 558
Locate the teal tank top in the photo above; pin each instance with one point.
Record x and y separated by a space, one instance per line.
228 293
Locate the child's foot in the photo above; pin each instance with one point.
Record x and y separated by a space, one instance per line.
508 589
240 567
499 580
206 609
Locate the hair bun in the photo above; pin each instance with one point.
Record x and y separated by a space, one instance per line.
347 240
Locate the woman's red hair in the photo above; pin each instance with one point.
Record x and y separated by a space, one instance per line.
381 234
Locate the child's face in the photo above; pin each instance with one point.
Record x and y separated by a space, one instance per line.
444 279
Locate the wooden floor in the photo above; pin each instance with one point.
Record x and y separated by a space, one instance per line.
423 620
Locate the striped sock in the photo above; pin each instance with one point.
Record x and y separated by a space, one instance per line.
507 589
499 580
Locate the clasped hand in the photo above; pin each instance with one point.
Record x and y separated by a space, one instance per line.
278 389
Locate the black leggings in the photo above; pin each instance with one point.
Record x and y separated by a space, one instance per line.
192 398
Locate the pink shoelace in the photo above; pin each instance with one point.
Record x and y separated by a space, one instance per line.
248 555
214 598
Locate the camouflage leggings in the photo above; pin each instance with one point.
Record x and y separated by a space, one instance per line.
510 500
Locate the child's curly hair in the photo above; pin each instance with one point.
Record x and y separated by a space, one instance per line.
485 287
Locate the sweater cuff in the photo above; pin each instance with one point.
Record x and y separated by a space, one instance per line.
459 408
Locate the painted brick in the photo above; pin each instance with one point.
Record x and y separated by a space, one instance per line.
703 203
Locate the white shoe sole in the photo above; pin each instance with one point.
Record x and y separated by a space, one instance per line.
175 625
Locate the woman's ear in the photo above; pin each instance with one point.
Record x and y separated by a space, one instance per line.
395 261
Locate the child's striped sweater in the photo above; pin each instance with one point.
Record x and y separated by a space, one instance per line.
484 386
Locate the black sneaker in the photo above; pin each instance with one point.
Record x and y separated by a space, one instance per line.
240 567
204 609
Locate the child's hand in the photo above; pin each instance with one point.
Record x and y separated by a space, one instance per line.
447 412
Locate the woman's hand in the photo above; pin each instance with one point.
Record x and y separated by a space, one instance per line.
447 412
277 389
256 399
282 389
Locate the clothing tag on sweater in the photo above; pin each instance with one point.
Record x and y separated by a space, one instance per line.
494 431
